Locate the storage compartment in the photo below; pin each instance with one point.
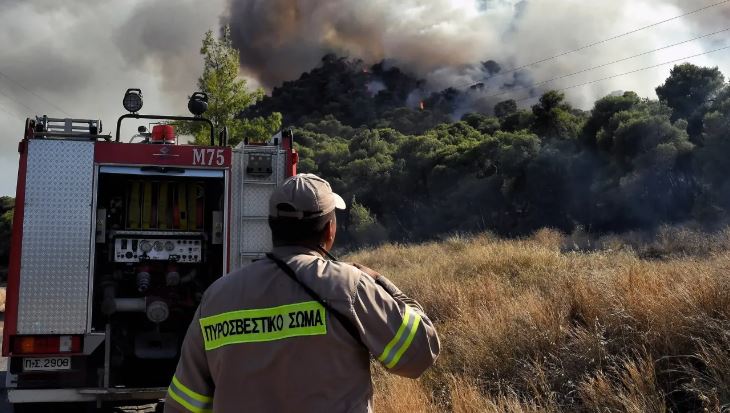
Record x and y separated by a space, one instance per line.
159 245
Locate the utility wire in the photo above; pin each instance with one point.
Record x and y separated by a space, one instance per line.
11 112
16 101
630 72
544 82
587 46
618 36
39 96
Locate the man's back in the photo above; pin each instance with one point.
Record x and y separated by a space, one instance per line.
261 343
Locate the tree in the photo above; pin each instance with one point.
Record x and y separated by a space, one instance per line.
603 111
410 121
554 118
505 108
711 160
228 95
363 225
647 179
483 123
423 174
368 168
688 91
516 121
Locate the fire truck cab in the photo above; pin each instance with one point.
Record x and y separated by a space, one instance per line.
114 242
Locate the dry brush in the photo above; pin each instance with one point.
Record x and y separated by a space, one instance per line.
528 326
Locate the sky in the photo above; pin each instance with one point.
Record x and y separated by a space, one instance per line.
77 57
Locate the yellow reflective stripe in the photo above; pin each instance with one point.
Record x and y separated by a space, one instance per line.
407 344
187 405
264 324
389 348
197 396
192 401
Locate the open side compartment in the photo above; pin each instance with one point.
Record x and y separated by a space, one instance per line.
160 242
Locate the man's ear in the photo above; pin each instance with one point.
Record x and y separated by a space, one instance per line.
331 228
328 235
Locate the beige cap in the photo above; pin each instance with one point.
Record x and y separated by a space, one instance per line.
308 195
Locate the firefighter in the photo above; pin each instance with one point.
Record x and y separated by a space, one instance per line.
293 332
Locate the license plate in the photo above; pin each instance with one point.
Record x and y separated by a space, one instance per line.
46 363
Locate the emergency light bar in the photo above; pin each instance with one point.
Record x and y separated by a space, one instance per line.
163 134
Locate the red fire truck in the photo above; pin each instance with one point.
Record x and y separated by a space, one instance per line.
114 242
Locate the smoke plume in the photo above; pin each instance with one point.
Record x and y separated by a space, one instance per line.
445 41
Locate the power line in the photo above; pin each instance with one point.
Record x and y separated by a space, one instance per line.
630 72
587 46
10 111
16 101
609 63
39 96
632 57
618 36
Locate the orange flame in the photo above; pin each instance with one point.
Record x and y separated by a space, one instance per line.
422 105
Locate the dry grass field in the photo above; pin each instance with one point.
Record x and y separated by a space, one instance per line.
536 325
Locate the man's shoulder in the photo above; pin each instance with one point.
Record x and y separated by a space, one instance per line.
225 284
334 271
334 277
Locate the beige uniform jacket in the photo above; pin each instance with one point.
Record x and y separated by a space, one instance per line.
260 343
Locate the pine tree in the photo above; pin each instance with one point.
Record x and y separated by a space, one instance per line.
228 95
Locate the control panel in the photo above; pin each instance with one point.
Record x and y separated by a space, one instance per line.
154 248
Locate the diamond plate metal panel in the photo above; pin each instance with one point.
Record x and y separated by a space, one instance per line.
54 273
256 200
235 213
250 234
281 168
256 236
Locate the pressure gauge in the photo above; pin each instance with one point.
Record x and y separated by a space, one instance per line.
145 246
158 246
169 246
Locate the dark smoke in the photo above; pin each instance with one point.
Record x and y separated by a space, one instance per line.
279 39
444 41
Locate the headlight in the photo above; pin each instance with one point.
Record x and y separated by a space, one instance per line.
132 100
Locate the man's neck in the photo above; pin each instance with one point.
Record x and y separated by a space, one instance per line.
307 246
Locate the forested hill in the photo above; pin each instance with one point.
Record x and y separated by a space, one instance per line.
355 94
413 171
416 165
